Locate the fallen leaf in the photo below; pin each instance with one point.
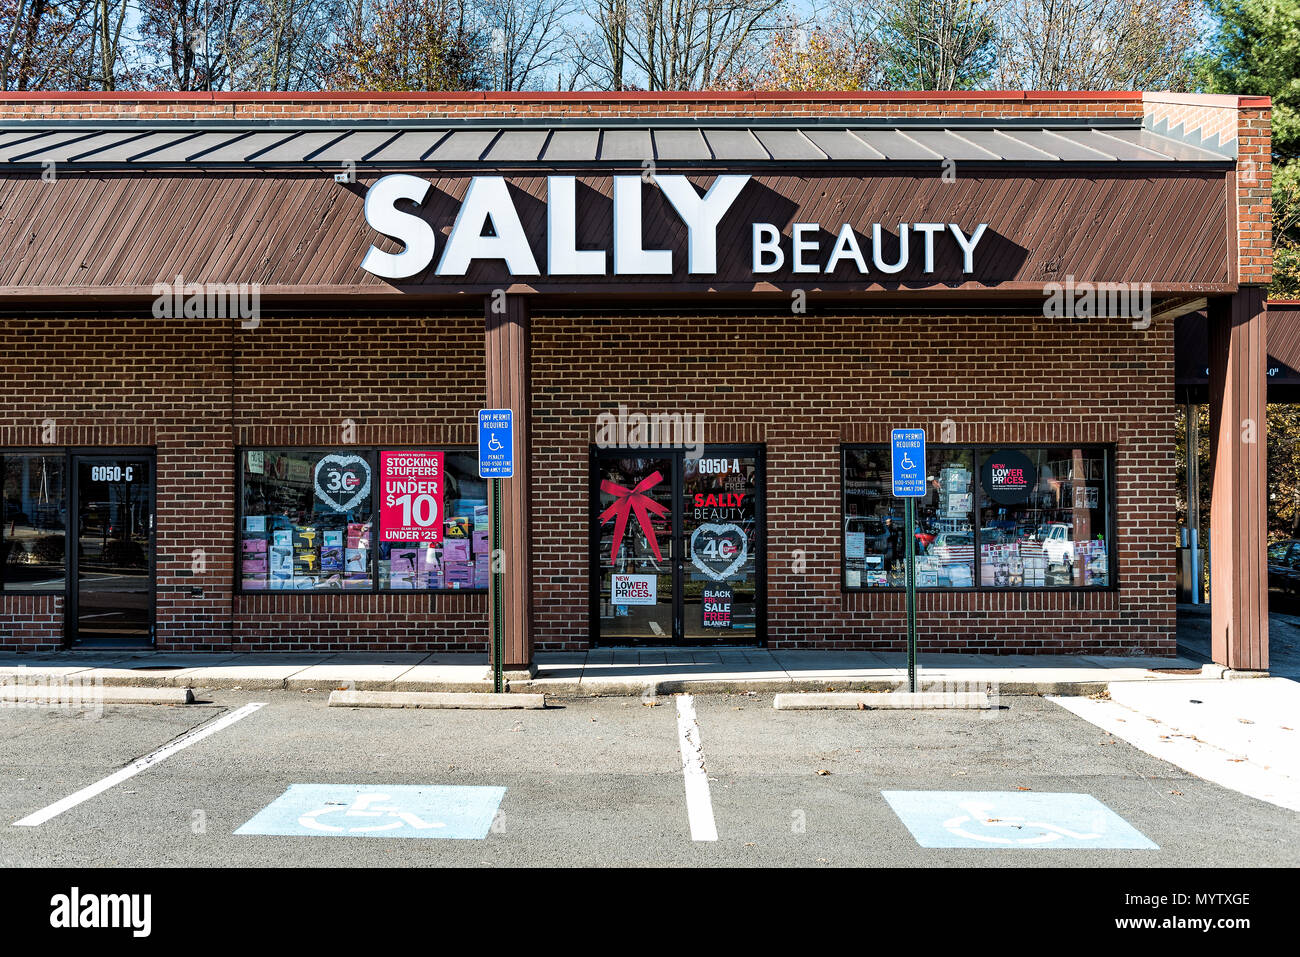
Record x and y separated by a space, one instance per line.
1022 788
823 772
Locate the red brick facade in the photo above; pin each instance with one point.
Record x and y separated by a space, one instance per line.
189 390
801 386
798 385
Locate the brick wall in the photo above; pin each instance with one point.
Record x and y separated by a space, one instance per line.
389 106
1255 196
798 385
133 380
129 379
801 386
393 381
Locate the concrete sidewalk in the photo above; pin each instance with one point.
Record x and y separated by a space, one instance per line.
602 671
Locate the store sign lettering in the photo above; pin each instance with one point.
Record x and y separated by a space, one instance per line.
720 500
411 496
1008 477
719 550
342 481
488 203
715 606
633 589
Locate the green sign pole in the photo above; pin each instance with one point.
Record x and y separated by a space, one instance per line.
498 592
910 578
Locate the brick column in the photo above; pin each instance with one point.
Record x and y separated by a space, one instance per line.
1238 498
507 335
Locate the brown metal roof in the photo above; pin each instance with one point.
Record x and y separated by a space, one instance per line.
127 143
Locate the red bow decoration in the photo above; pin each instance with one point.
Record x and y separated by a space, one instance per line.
628 500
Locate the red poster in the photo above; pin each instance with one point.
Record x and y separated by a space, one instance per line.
410 496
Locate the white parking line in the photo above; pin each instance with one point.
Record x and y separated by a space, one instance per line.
135 767
699 806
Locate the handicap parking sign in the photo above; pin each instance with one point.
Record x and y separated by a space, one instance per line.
1013 819
379 810
907 453
496 443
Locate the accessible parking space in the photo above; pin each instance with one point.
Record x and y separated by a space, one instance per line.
603 781
808 788
591 783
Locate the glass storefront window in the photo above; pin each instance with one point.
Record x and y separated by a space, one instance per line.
33 540
309 517
1053 531
462 559
1042 519
305 523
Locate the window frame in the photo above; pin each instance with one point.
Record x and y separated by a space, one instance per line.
977 450
372 450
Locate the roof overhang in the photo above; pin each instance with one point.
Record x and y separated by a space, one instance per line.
584 141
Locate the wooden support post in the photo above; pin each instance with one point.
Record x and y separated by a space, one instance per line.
506 330
1238 496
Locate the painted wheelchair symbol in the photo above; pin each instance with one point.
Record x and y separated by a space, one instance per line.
366 806
979 816
907 464
494 443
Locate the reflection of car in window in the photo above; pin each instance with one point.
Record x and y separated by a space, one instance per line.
995 536
1284 566
1058 543
873 530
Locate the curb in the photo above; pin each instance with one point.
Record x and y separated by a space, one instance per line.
57 694
889 701
615 687
437 699
591 687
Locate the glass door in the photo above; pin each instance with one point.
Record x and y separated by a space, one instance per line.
722 542
113 584
677 547
633 550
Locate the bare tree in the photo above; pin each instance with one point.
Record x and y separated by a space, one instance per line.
812 55
280 44
526 40
600 56
1097 44
102 65
695 44
673 44
410 45
189 43
45 43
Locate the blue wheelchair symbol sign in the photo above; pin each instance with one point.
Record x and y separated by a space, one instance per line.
1013 819
496 443
393 810
908 454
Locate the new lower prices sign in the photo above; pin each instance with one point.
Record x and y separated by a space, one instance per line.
410 496
633 589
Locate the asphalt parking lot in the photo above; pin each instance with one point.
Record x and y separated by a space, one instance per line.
596 782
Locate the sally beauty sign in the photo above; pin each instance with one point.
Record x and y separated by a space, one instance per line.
859 247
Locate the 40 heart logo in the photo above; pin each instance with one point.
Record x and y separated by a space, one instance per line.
719 550
342 481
